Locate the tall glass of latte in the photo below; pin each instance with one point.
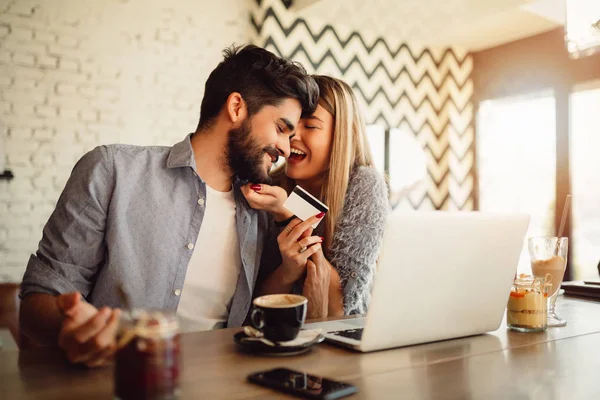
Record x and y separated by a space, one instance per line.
549 260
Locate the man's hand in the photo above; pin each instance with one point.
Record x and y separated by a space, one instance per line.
87 335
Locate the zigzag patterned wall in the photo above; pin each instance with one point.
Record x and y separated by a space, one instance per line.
421 90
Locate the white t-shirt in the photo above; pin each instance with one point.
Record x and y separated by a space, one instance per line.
214 267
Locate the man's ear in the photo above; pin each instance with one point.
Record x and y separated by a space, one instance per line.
236 108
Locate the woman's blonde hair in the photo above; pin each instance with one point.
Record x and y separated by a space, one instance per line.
350 149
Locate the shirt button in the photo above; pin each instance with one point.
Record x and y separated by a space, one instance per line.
177 292
353 274
190 246
201 202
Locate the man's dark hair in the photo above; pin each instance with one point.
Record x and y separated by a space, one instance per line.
261 78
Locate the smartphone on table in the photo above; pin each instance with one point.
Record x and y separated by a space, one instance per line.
302 384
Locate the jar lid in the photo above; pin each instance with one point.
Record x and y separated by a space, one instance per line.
526 281
147 324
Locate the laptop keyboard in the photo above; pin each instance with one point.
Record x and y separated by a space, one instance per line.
350 333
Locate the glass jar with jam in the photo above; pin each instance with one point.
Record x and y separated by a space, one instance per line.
526 310
147 362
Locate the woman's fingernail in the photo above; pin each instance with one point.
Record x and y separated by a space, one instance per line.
320 215
322 238
256 188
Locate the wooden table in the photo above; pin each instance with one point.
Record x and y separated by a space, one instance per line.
561 363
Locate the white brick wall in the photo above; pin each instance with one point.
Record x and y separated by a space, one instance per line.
78 73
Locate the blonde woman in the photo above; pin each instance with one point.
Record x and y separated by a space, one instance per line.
330 158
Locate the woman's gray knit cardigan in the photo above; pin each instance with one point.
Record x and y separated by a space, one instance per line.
356 240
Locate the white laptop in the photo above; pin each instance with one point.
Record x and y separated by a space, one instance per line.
441 275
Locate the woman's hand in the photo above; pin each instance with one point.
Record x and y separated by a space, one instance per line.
296 246
316 286
267 198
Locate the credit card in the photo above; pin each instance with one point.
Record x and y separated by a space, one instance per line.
304 205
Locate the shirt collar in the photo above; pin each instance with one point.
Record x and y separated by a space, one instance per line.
182 155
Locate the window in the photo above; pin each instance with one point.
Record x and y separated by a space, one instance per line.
516 156
376 138
408 165
585 181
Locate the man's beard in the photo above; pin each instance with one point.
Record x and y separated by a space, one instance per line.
246 157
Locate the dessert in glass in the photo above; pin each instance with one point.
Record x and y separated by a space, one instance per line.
526 310
549 260
147 363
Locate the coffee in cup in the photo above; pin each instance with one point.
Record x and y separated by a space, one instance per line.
279 316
